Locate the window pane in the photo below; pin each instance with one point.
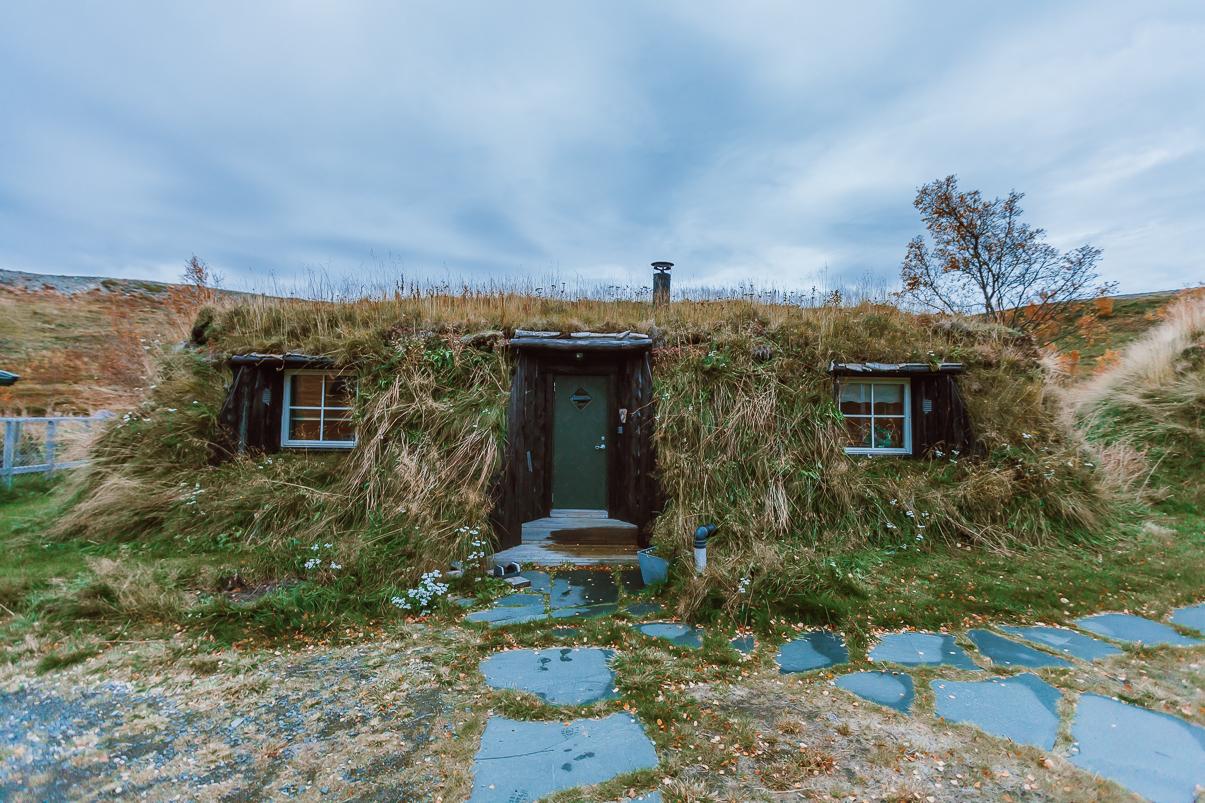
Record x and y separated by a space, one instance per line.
304 425
888 433
306 390
888 399
338 428
338 391
855 398
858 430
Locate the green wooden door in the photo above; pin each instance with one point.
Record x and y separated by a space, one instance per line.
579 442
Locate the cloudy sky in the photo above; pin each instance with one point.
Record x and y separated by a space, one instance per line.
778 143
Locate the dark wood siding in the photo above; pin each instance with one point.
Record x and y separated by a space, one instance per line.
251 412
946 425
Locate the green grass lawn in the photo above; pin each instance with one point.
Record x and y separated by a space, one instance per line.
1153 564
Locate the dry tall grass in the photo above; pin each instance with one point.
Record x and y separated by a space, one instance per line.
752 445
1147 411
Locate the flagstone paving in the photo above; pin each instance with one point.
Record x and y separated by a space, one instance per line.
1151 753
523 761
1006 652
560 675
1069 642
1132 629
1192 616
541 582
568 594
1022 708
1156 755
676 633
921 649
578 588
646 609
813 650
890 689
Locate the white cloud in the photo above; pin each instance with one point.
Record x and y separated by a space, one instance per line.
766 143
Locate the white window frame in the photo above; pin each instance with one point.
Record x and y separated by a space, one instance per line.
287 410
870 450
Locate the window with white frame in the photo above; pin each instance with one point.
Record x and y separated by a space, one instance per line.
877 415
317 410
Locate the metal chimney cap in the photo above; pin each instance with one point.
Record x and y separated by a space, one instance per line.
663 266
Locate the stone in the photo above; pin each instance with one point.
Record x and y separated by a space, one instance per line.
745 644
577 588
921 649
530 760
559 675
1022 708
541 583
639 609
513 609
1132 629
585 611
812 650
1006 652
523 600
1191 616
1155 755
678 634
501 617
1066 641
890 689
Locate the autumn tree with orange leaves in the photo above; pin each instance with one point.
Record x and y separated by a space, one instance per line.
980 258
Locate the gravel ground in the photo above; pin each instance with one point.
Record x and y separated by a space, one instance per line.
348 723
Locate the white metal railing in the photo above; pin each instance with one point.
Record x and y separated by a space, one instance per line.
35 445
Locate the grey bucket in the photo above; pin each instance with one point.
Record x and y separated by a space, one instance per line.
653 569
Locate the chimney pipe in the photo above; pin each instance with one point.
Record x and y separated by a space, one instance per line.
661 283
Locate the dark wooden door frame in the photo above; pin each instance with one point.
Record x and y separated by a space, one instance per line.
524 491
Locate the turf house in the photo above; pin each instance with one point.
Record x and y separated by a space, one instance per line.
412 432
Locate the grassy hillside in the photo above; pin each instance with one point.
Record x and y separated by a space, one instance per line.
82 344
1100 330
1148 411
754 446
157 537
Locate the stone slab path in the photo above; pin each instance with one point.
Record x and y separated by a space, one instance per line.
1068 642
564 594
676 633
1023 708
525 761
890 689
1191 616
1158 756
1154 754
1006 652
813 650
1132 629
921 649
560 675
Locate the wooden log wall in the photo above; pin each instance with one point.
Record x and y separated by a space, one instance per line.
252 410
947 425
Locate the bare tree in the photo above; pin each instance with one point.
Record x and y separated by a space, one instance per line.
980 258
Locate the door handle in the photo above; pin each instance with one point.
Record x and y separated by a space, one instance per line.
602 445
